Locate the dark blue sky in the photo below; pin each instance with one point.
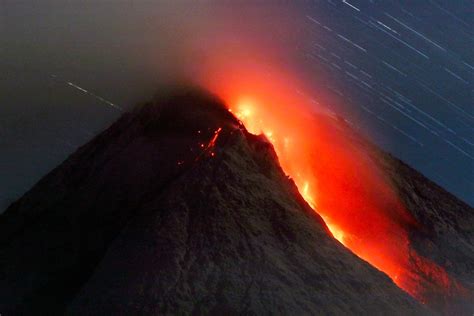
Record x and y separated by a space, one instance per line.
402 69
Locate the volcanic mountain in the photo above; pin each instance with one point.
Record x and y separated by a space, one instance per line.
178 209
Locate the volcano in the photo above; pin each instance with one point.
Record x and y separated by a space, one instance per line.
177 209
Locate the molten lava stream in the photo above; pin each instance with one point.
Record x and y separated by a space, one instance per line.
333 172
341 182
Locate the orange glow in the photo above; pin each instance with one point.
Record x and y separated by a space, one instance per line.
210 146
337 177
212 143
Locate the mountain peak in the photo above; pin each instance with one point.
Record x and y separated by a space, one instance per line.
176 208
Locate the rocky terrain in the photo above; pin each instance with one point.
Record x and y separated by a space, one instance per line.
177 209
447 230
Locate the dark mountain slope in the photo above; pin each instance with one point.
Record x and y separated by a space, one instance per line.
176 208
447 237
233 236
52 238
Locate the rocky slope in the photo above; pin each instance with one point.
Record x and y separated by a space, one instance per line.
445 234
176 208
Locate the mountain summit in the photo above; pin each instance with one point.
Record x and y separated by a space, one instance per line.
177 209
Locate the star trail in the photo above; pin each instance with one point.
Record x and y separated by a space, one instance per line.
407 67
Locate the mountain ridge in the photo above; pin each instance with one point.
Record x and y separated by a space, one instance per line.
75 240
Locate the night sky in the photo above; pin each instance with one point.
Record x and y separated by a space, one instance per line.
400 71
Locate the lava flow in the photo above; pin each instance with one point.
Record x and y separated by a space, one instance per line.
340 181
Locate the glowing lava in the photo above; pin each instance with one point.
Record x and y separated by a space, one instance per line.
340 180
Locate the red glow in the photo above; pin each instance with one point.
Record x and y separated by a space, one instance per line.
337 177
212 143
